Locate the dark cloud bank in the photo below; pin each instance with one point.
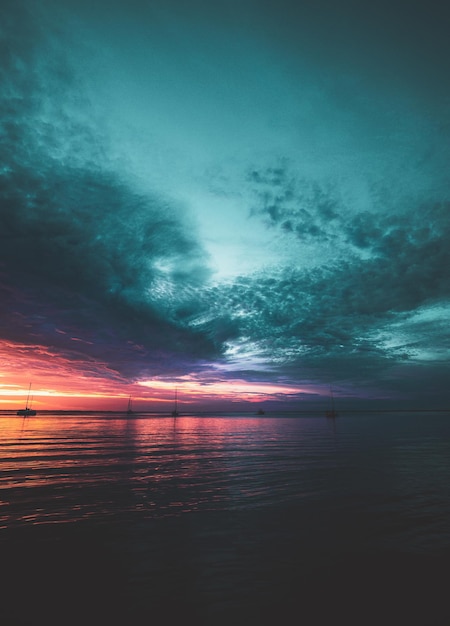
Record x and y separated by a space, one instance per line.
80 249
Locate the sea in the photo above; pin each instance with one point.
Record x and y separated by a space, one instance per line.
221 520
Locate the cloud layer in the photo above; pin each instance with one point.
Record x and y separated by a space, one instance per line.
129 162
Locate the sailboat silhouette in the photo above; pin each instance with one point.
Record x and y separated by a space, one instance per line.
27 411
175 410
331 411
130 408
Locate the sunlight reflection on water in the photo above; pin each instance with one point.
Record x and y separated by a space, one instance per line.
95 467
228 519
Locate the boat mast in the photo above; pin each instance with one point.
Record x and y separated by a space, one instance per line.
28 397
175 409
130 406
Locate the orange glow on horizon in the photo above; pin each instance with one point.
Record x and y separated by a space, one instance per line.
59 383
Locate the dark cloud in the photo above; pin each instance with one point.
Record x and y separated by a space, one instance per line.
301 207
84 257
333 318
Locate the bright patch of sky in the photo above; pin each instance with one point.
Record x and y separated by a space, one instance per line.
421 335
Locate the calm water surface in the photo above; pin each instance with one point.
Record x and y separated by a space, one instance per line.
237 519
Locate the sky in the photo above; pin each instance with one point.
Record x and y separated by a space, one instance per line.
247 201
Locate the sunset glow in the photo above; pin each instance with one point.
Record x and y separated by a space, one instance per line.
58 393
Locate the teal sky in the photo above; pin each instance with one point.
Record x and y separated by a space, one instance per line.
250 191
